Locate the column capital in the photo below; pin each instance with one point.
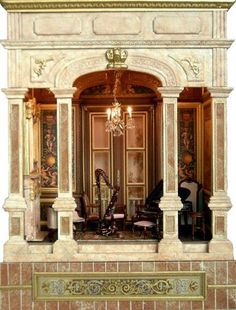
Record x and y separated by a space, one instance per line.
15 93
170 92
220 92
15 203
63 92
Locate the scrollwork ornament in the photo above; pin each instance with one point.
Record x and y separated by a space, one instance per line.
191 66
40 65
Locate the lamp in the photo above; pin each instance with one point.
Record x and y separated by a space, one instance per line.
32 107
115 124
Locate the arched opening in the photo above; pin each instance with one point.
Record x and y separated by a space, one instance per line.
132 160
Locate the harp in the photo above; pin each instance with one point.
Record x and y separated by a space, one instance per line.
109 212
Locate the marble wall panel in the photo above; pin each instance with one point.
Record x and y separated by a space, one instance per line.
92 25
183 25
56 25
117 24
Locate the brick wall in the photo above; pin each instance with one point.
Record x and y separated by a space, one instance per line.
16 281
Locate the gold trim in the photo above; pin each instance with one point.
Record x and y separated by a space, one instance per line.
218 286
15 287
74 5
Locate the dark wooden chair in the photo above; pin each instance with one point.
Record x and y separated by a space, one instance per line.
91 212
195 209
119 215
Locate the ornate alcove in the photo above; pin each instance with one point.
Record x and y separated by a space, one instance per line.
176 83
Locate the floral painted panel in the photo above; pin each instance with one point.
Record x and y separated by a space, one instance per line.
187 143
49 169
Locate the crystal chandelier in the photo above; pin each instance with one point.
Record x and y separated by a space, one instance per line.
115 124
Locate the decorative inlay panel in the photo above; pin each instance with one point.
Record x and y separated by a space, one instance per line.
63 145
14 148
15 226
65 225
220 225
220 145
137 286
170 224
170 149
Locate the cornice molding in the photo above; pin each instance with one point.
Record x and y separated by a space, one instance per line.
73 5
83 44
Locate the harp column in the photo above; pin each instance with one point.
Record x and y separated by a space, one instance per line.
15 204
170 202
64 203
219 203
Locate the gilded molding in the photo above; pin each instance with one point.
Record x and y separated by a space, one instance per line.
15 287
73 5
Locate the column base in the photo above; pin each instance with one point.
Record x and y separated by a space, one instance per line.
221 247
15 248
15 203
173 246
64 204
65 248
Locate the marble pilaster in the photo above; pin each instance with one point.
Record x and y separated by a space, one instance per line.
219 203
170 202
64 203
15 204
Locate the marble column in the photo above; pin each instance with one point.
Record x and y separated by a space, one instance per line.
219 202
170 202
15 204
64 203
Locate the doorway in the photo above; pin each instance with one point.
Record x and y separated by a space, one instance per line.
133 159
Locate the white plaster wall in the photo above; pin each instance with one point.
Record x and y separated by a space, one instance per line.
231 130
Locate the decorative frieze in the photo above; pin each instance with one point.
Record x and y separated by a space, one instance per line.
128 286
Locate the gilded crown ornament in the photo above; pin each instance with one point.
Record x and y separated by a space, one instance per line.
116 58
